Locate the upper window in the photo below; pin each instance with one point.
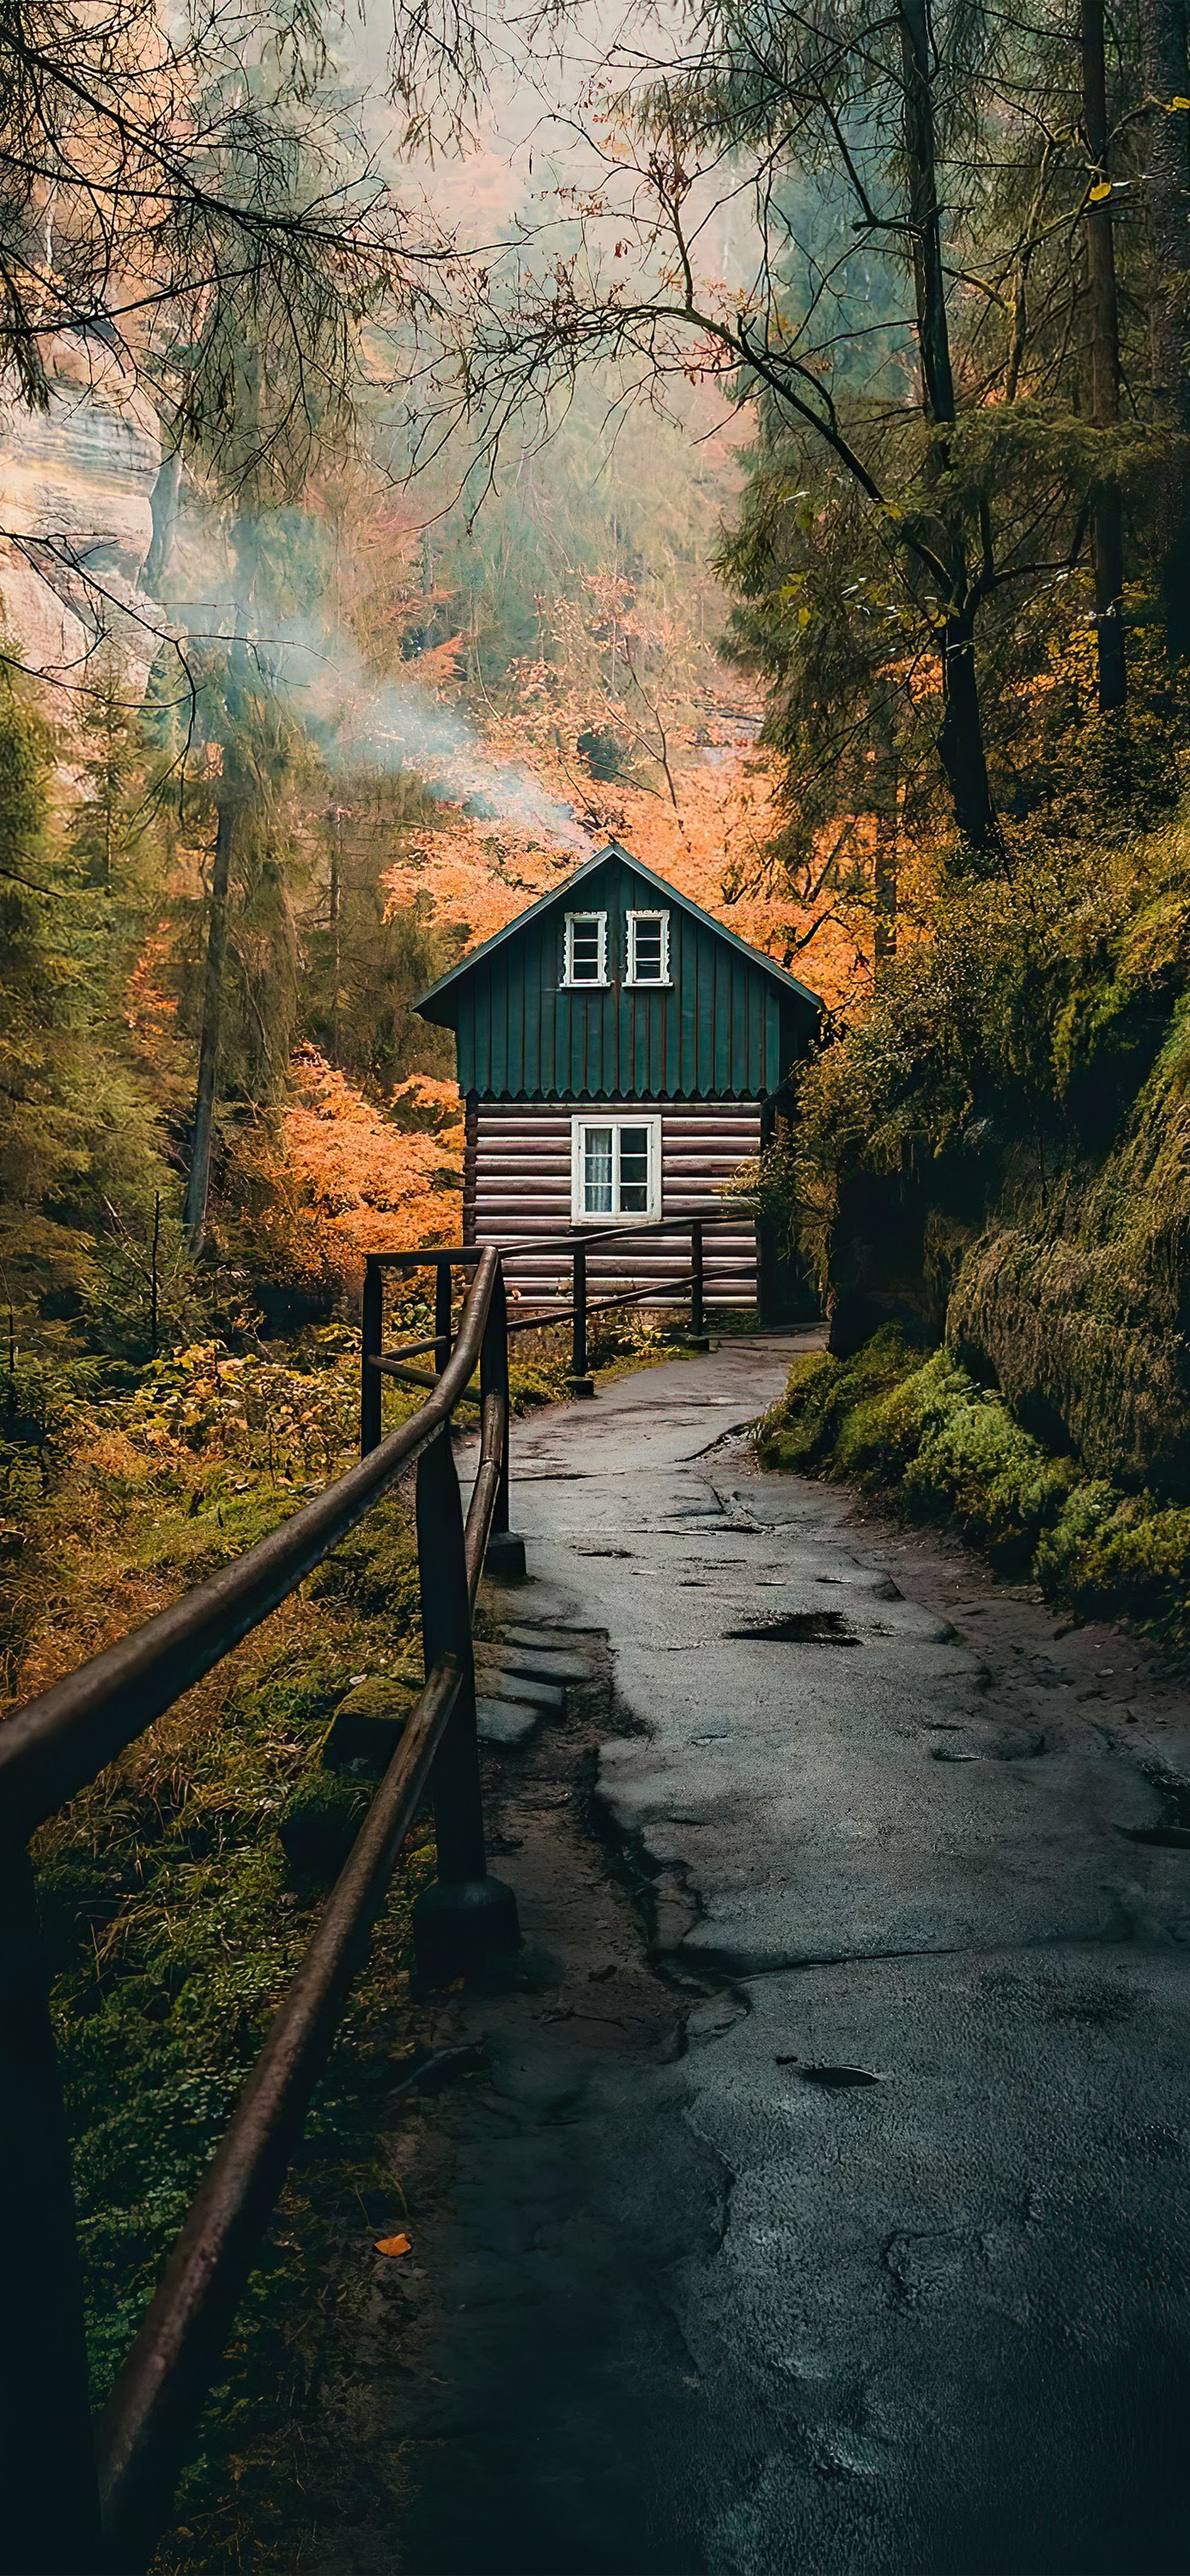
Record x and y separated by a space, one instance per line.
616 1167
585 954
648 948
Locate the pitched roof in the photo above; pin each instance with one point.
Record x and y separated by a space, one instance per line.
558 894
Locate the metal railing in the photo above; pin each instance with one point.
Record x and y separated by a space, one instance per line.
578 1244
75 2498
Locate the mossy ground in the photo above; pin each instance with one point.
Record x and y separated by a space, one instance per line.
173 1917
924 1435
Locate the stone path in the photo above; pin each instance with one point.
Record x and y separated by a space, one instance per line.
845 2229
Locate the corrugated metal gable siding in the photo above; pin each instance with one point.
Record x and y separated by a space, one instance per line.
722 1030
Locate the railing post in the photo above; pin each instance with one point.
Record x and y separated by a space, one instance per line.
371 1338
442 1289
581 1381
505 1554
467 1918
697 1337
49 2513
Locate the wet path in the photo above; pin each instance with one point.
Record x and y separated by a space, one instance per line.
847 2230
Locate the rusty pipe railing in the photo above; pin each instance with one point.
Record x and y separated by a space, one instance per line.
576 1244
68 2506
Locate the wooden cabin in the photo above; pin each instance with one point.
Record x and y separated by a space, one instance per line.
620 1054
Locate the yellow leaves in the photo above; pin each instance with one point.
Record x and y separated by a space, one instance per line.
1097 194
149 1009
1176 103
393 2246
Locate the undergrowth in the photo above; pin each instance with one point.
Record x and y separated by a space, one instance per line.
172 1917
923 1434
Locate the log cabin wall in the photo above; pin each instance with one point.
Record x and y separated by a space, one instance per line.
470 1130
522 1190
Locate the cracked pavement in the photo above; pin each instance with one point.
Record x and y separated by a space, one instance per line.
861 2244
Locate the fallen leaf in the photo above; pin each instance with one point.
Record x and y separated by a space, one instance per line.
393 2245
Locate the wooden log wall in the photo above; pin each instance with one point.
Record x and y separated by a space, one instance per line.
522 1190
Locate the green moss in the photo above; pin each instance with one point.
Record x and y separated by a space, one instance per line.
319 1822
940 1447
802 1431
977 1469
1114 1557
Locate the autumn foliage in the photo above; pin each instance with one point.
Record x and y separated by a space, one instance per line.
338 1179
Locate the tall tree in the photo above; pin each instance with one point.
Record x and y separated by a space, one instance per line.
1167 81
1104 336
960 742
198 1178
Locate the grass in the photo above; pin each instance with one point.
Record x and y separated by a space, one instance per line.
921 1433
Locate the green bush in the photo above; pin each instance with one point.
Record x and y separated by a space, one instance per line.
803 1429
1113 1556
979 1470
319 1822
883 1435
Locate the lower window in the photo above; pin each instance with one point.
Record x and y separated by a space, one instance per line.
615 1168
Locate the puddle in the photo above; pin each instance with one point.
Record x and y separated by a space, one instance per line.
801 1628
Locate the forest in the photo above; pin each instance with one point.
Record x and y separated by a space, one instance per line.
760 434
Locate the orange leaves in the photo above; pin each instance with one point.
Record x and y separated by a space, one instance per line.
711 844
148 1007
342 1179
393 2246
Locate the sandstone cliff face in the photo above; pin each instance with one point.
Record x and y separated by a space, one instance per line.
76 522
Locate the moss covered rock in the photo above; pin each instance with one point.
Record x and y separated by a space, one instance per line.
366 1728
319 1822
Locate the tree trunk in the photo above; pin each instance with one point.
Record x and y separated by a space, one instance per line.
1107 523
1163 24
198 1182
1167 76
933 330
961 744
336 903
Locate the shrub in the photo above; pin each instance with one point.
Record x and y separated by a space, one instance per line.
977 1468
803 1429
1113 1556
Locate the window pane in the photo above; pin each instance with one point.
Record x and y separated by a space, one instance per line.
647 951
584 951
634 1171
597 1171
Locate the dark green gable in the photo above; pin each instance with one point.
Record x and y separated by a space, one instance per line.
728 1027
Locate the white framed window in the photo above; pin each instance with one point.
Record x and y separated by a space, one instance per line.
584 955
615 1167
648 948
